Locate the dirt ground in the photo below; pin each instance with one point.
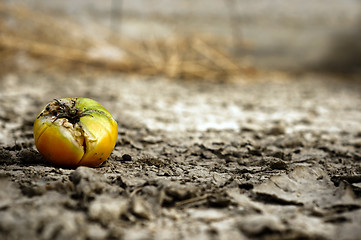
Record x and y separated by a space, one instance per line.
278 158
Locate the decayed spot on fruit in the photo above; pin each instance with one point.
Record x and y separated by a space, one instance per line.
74 132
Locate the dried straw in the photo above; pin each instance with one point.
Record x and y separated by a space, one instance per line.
62 43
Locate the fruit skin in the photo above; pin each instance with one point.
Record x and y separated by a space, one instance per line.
73 132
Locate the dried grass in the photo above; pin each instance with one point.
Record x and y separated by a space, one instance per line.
48 42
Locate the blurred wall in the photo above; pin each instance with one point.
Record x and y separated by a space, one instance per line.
283 34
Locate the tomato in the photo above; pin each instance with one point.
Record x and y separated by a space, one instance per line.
73 132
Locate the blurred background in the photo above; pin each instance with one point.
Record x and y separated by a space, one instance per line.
208 39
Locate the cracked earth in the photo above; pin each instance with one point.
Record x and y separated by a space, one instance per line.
273 159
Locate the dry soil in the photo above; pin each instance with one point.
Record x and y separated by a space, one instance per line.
273 159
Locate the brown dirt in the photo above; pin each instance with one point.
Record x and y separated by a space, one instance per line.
272 159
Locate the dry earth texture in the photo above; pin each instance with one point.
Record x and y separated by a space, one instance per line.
194 160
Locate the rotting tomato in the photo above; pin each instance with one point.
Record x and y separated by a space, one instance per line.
73 132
